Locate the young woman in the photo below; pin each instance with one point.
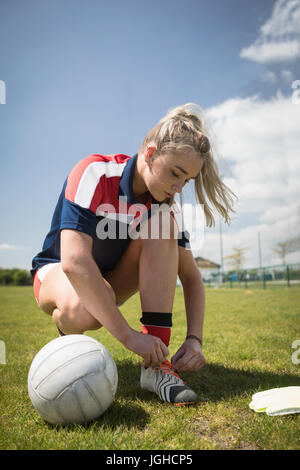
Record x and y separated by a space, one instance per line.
81 276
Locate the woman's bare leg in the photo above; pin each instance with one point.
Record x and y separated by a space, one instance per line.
58 298
148 265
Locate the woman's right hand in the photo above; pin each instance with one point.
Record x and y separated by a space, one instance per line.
150 348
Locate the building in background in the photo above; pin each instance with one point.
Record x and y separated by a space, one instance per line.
210 271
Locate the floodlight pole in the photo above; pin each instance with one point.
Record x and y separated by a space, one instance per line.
259 250
221 248
181 207
221 244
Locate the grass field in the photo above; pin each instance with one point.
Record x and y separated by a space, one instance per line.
247 344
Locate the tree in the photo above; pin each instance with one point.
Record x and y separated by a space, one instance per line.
294 244
15 276
6 277
288 246
237 258
22 278
281 249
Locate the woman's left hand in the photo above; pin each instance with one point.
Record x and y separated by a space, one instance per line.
189 356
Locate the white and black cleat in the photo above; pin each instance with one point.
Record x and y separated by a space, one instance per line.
166 383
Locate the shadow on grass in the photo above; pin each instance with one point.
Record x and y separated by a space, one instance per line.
215 382
127 414
129 383
117 415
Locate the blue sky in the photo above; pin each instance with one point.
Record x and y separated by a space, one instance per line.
93 76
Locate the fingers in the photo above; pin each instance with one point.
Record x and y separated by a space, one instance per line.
165 350
177 356
192 364
157 355
189 362
180 364
154 359
147 361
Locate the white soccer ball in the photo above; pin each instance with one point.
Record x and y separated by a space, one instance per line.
73 379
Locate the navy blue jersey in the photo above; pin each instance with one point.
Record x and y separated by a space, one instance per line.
97 196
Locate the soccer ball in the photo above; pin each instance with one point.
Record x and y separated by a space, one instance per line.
72 379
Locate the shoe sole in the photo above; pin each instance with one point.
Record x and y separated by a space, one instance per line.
185 403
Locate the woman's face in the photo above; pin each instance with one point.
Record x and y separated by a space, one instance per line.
167 174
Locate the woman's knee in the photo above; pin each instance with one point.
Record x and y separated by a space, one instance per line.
73 312
74 315
161 226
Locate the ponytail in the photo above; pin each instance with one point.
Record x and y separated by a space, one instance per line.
182 130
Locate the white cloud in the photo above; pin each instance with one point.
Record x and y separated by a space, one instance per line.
7 247
270 77
272 51
261 140
279 38
285 19
287 75
275 213
270 235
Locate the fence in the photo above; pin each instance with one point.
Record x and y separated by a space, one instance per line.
262 278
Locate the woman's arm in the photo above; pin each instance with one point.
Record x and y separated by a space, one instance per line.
194 293
82 271
189 356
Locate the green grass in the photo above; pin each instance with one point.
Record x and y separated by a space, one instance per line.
247 344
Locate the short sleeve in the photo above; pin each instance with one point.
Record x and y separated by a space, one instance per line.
184 239
75 217
183 235
83 191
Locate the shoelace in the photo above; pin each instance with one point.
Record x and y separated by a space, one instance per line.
167 368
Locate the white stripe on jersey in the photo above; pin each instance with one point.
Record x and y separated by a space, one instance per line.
125 218
91 177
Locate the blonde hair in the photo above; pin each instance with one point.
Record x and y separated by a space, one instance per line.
182 130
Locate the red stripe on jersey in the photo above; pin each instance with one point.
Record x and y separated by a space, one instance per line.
77 172
110 193
97 194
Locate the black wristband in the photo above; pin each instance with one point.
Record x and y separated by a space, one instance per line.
194 337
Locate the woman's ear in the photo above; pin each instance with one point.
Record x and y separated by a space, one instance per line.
150 151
